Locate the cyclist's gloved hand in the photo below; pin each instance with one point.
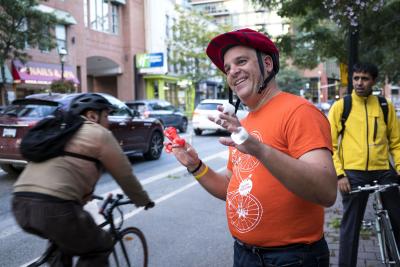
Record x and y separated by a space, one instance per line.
149 205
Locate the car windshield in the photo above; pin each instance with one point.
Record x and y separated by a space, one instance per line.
138 107
30 111
208 106
162 107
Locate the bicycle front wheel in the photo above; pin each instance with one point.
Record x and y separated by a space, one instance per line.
130 250
390 241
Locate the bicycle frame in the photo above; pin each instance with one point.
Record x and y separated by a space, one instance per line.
381 217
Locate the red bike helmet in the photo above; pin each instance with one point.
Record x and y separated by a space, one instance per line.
245 37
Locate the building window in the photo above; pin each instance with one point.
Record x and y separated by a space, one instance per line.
115 19
61 37
103 16
85 12
167 26
156 93
23 29
43 47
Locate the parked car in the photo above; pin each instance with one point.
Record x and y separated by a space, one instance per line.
162 110
2 109
134 134
209 107
324 106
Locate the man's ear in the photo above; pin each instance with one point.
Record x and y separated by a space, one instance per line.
92 116
269 63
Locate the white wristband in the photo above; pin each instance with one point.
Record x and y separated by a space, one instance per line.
240 137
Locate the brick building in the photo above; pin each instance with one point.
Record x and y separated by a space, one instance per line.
101 39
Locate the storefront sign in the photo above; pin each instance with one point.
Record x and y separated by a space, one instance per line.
40 73
151 63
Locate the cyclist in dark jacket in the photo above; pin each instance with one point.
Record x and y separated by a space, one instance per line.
49 196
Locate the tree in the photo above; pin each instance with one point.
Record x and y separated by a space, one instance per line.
62 86
289 80
21 25
191 35
324 29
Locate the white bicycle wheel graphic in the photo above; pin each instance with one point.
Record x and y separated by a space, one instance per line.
246 162
244 212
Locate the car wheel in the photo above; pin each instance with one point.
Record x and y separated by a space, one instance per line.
197 131
11 169
155 147
183 126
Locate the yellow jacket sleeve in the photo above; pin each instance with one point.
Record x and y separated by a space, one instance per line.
393 129
334 116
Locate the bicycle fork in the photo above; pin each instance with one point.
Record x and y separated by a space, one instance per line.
383 245
381 240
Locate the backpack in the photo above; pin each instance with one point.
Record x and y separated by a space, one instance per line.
347 108
47 139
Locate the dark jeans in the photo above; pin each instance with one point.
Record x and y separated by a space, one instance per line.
306 255
66 224
354 208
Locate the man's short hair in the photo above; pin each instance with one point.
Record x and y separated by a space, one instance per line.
365 67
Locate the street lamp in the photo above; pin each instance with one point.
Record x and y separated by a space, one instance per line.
63 56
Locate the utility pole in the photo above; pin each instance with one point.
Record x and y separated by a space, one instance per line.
353 55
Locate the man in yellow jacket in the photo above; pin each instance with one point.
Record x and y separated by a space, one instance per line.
362 155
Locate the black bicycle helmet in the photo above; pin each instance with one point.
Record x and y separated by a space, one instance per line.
89 101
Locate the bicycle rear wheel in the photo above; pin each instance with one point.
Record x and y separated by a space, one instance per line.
390 242
130 250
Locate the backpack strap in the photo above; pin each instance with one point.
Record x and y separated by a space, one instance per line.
346 112
76 155
384 106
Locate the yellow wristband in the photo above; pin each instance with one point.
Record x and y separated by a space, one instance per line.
202 173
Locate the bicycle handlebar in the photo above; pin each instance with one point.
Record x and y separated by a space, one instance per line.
115 202
375 188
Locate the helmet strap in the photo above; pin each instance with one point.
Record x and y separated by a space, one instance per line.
266 81
231 100
99 116
269 78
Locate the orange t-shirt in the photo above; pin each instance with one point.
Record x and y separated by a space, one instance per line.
260 210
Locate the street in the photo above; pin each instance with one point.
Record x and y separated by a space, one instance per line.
186 228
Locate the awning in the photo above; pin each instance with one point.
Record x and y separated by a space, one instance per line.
9 78
62 16
40 73
121 2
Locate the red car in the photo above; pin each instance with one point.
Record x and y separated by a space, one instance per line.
134 134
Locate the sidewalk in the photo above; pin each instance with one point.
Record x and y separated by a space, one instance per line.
368 249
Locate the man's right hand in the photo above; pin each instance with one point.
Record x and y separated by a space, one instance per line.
344 185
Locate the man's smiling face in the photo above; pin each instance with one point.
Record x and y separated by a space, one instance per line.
242 71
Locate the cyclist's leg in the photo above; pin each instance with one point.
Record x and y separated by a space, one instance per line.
77 234
353 214
71 228
30 213
391 200
60 259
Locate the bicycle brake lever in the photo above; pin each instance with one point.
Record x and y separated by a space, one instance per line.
105 203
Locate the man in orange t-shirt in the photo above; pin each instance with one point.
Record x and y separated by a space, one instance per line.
280 172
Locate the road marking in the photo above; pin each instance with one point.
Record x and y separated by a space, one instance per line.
157 201
165 197
157 177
